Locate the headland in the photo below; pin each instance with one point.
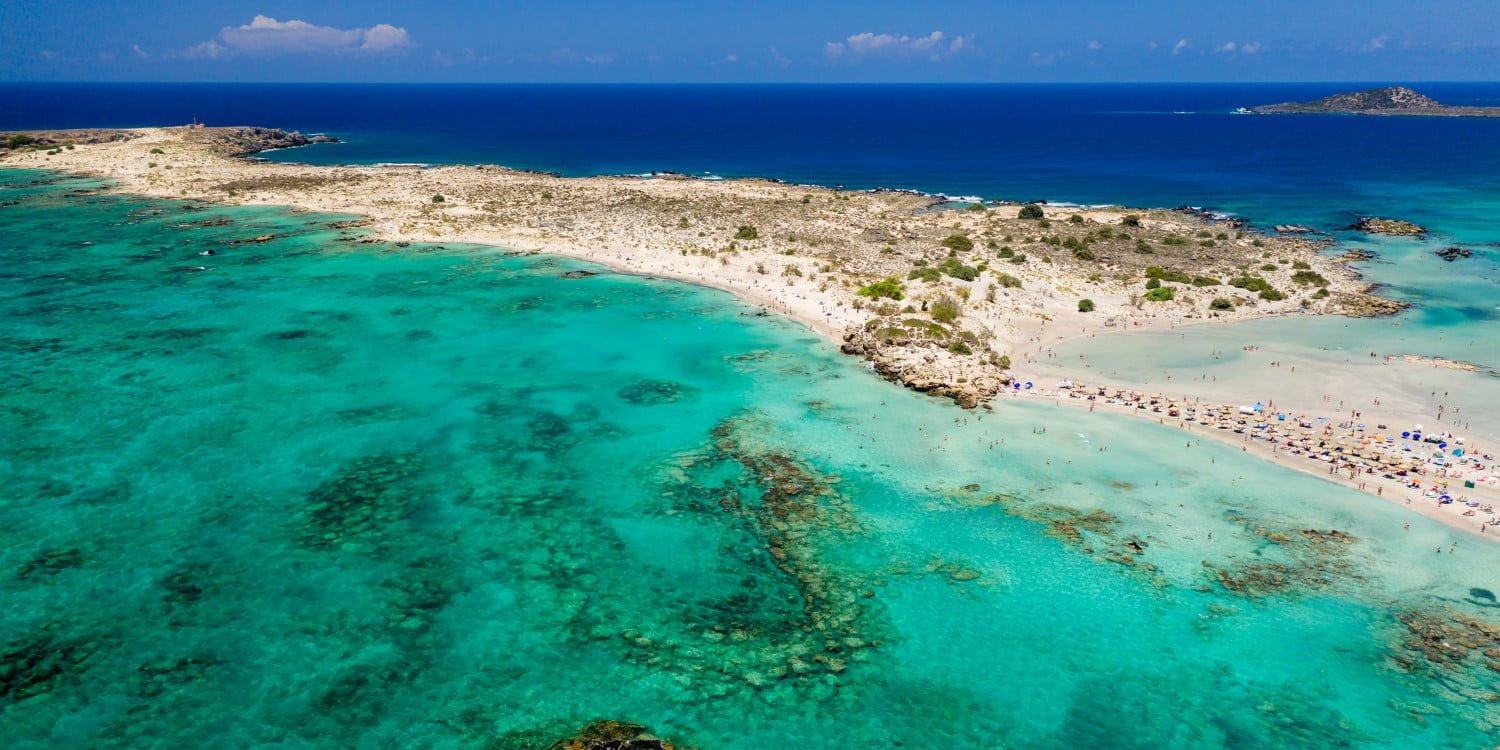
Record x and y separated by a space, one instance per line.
939 296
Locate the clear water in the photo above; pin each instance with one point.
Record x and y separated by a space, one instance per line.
332 494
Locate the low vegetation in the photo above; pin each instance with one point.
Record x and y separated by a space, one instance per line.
887 288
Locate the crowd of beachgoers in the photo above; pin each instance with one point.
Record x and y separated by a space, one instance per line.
1439 470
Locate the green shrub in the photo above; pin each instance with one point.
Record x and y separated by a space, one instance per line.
1161 294
975 206
1272 295
1204 281
1309 278
929 275
945 309
18 140
1250 283
1031 211
746 232
1220 303
957 243
1301 265
1173 239
1143 247
1001 361
1006 252
1320 294
1085 305
1268 267
959 347
1083 253
1153 283
1006 281
437 199
1019 258
955 268
1075 219
156 151
1131 220
1167 274
889 287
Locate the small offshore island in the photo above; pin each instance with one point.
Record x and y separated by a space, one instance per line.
942 296
1391 100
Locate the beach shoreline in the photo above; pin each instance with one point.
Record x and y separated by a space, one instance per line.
795 230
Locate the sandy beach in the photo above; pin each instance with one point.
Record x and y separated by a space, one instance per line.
973 297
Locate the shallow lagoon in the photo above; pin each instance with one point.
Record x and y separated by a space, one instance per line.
336 494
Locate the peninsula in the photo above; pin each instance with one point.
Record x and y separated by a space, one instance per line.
938 297
1391 100
944 297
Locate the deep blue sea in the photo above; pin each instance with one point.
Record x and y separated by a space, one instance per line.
316 493
1149 144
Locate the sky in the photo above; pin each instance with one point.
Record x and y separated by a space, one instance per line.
651 41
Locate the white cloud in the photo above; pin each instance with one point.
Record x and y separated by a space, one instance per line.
1181 45
442 58
138 52
1096 45
731 58
935 46
1152 45
777 57
1379 42
267 36
1243 48
209 50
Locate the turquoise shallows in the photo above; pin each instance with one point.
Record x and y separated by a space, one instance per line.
312 492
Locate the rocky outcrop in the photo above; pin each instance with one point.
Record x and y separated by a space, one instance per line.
923 364
1355 255
244 141
1451 254
1391 100
1294 229
1396 227
614 735
1364 305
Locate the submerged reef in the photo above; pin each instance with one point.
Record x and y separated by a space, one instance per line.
1457 654
1092 531
809 616
1289 563
365 497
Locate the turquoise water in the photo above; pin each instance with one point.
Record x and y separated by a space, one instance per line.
333 494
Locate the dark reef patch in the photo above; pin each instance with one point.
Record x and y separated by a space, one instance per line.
654 392
1290 563
364 498
41 662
